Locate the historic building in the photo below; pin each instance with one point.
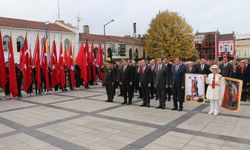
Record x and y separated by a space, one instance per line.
243 46
215 46
227 44
18 28
120 47
207 44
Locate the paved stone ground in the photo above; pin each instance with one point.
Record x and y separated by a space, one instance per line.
80 120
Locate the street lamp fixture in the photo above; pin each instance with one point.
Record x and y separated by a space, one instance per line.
104 27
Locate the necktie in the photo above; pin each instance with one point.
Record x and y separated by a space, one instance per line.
225 64
177 67
159 68
213 82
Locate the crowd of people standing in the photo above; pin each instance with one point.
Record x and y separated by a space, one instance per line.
161 79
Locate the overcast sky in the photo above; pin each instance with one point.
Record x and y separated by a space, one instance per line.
202 15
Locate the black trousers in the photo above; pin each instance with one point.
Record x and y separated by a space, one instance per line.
161 92
169 93
178 96
110 91
128 92
145 95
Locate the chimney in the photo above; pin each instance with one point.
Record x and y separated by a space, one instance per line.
86 29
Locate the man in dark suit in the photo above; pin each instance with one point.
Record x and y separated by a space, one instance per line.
226 68
177 82
110 81
168 88
127 82
161 82
152 88
190 67
203 68
145 83
119 77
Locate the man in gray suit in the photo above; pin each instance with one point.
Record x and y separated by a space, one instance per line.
226 68
161 82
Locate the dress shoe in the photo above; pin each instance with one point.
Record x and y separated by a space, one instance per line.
124 103
129 103
159 107
156 98
180 109
107 100
163 107
174 109
143 105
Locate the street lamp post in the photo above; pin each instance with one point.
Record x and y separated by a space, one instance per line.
105 36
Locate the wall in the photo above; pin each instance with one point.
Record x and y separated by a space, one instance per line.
31 36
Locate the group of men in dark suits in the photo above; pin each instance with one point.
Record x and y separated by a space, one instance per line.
151 79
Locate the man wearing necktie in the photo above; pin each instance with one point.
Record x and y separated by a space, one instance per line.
177 82
226 68
161 83
145 83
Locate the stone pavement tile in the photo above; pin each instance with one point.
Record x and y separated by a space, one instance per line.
36 115
103 97
243 111
13 104
47 98
154 146
213 144
85 105
24 142
171 140
149 115
197 122
5 129
95 132
80 93
230 126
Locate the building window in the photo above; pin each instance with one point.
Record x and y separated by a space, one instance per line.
6 43
226 48
221 48
67 44
231 47
19 43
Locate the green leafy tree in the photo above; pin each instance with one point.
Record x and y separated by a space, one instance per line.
170 36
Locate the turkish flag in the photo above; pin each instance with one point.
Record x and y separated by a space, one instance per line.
61 67
66 60
27 78
2 65
99 61
81 62
54 66
25 65
12 70
37 63
44 64
71 68
87 61
91 61
22 51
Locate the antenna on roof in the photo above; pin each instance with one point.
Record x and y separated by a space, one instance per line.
78 20
58 10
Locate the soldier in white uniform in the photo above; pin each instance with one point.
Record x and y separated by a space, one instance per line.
213 91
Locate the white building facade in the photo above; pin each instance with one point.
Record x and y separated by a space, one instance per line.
17 29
